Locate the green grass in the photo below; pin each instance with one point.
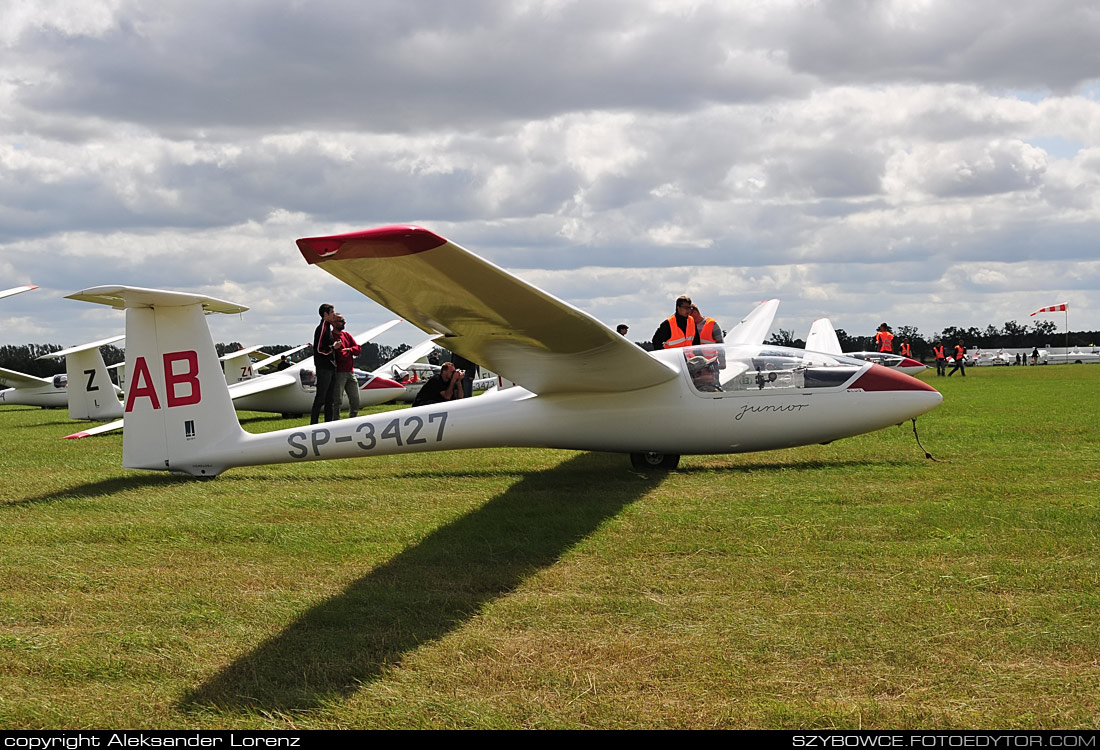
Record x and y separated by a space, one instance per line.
851 585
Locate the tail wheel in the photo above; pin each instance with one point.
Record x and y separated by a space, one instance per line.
654 461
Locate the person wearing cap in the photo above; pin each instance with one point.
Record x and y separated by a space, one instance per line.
885 339
621 329
678 329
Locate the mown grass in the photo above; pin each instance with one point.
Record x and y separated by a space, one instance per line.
851 585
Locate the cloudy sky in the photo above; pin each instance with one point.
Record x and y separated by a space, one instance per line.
924 162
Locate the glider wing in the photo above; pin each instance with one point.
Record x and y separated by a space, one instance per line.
484 313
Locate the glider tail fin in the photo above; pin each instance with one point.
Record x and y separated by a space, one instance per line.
178 412
92 395
822 338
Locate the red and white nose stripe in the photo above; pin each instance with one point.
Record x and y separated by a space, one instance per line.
879 378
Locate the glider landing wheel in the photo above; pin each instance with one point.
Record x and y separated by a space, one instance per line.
651 461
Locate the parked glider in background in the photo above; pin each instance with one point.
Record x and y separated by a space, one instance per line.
16 290
291 391
240 366
822 338
580 385
31 390
85 388
91 394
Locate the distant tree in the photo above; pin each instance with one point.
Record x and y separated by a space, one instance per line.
1043 328
912 335
782 337
1015 333
849 343
25 359
112 355
232 346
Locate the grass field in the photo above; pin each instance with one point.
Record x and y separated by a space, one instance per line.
856 584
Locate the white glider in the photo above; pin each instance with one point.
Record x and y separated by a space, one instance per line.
580 384
291 391
31 390
85 388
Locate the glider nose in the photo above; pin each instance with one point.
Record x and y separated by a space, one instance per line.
879 378
380 383
910 362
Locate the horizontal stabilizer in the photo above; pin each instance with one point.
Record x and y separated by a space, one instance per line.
97 430
83 347
261 384
127 297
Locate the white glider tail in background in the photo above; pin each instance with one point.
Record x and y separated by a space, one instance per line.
91 394
85 388
822 338
580 385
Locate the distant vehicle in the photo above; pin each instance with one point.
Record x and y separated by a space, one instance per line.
994 359
822 338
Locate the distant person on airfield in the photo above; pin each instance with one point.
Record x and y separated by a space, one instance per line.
960 359
884 339
941 358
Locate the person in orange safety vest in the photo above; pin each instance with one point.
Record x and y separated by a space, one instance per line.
884 339
941 358
679 329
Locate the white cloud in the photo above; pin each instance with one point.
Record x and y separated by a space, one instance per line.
923 162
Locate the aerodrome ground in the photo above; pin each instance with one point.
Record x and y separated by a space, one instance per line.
857 584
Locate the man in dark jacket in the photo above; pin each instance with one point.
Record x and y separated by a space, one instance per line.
324 363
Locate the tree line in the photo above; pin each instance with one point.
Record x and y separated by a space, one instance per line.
1012 335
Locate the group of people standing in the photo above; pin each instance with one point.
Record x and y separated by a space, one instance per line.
884 339
334 354
686 327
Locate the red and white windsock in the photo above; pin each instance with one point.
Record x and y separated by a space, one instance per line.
1053 308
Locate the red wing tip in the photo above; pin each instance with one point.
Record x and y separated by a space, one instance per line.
381 242
76 435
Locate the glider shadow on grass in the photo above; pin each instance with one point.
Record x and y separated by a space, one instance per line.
429 590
